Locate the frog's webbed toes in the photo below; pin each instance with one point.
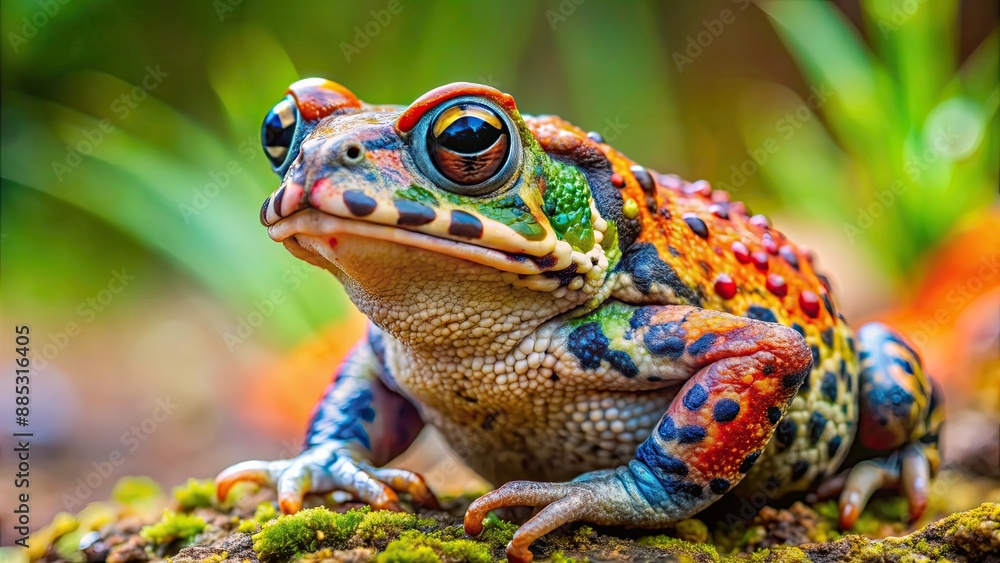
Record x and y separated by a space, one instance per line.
907 470
561 503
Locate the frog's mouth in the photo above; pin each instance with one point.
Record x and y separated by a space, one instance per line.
315 223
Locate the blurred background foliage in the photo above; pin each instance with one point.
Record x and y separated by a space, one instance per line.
130 141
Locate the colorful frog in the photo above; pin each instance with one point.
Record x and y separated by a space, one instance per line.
609 344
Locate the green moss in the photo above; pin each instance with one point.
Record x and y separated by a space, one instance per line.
414 546
305 532
379 525
567 203
173 526
196 493
497 532
560 557
265 512
132 491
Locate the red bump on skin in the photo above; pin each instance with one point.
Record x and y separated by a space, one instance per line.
738 208
769 244
701 187
725 286
317 98
760 221
720 196
776 285
332 242
760 260
409 119
319 191
617 180
291 201
809 302
741 252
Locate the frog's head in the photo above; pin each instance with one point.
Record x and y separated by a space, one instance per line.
447 220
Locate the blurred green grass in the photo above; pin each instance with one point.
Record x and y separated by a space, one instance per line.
600 64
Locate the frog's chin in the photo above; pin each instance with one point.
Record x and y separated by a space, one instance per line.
316 224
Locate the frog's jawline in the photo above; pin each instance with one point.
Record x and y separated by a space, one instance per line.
319 224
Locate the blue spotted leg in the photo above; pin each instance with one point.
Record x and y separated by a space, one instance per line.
739 377
358 426
899 421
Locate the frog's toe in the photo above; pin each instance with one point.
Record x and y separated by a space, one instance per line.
907 471
403 481
263 473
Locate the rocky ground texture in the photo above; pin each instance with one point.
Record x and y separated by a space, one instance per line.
140 523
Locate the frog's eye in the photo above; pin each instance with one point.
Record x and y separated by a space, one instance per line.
277 134
469 146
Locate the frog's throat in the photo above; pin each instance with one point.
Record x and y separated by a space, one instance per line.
526 270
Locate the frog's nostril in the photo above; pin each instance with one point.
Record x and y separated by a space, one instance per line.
352 152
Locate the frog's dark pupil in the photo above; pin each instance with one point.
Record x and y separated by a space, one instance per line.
273 134
468 135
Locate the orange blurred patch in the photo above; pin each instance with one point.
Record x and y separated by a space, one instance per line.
281 398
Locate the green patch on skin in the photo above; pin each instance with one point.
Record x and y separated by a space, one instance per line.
306 531
567 203
614 319
414 546
418 194
172 527
509 210
195 494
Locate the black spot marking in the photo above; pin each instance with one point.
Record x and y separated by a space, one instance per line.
683 488
799 469
465 225
928 439
670 464
588 343
695 397
907 366
798 328
786 432
827 337
829 386
794 379
843 369
263 211
725 410
768 369
719 485
641 317
789 255
773 415
817 423
278 197
646 267
698 226
828 304
622 362
412 213
489 420
815 354
833 446
666 429
702 345
645 180
690 434
748 461
761 314
565 276
663 340
850 344
358 203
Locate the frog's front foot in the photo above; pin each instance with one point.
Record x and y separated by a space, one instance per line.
907 470
323 469
600 498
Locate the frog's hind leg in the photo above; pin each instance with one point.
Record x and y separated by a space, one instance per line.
900 417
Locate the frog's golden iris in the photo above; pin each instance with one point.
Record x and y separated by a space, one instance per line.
468 143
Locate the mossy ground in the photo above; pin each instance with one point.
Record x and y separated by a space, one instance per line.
141 523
